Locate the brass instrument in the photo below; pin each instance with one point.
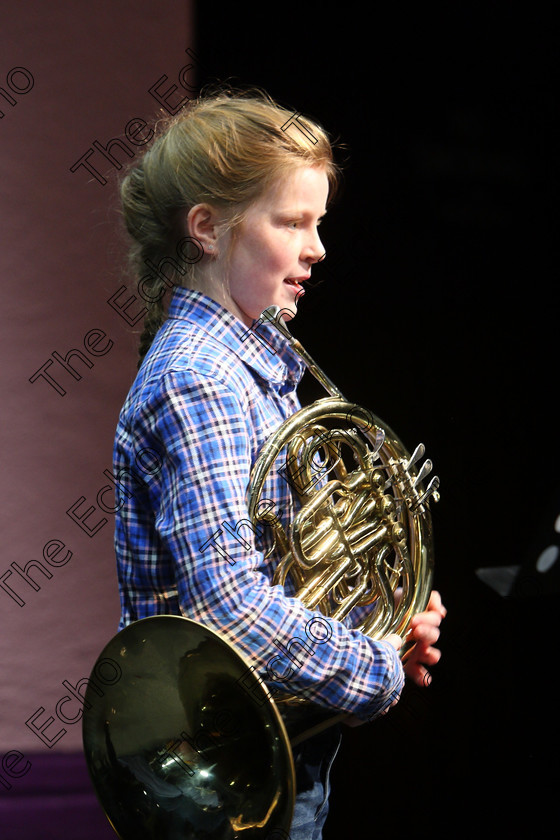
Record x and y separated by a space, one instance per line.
167 737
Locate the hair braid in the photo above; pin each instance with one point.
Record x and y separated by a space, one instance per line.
151 237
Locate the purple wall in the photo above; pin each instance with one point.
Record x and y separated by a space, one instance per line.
85 77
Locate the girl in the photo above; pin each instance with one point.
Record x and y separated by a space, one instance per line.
243 186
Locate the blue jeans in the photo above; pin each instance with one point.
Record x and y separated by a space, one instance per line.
313 760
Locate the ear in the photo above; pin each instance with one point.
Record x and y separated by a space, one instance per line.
203 223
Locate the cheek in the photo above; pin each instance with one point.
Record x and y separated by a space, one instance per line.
262 255
277 254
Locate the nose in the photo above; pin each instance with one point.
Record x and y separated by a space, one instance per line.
314 250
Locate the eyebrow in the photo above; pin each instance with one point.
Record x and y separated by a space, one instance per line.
303 213
296 213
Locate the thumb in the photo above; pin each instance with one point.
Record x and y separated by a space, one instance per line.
394 640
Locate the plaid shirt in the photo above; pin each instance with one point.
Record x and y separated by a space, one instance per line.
208 395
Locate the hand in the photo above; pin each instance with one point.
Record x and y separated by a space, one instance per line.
424 632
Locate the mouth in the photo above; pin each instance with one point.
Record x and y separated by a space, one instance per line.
296 283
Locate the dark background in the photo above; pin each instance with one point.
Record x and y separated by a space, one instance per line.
438 311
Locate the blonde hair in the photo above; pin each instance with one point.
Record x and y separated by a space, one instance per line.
224 149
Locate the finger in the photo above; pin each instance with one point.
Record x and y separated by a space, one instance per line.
435 603
433 618
421 654
417 671
418 674
427 655
426 633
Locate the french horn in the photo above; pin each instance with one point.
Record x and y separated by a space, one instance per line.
185 739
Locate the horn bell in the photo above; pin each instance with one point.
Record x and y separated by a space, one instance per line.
166 741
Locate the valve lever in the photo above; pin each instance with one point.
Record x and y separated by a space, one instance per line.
424 471
431 490
416 455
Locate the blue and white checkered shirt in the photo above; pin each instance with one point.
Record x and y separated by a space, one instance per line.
208 395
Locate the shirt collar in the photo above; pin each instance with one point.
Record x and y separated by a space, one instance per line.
260 346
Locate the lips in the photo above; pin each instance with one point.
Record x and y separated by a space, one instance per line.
296 282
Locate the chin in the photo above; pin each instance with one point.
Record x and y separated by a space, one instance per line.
288 312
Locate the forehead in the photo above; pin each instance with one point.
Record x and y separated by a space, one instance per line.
304 186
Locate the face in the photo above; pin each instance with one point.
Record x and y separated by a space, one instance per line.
272 251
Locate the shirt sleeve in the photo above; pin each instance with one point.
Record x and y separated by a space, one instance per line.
200 502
